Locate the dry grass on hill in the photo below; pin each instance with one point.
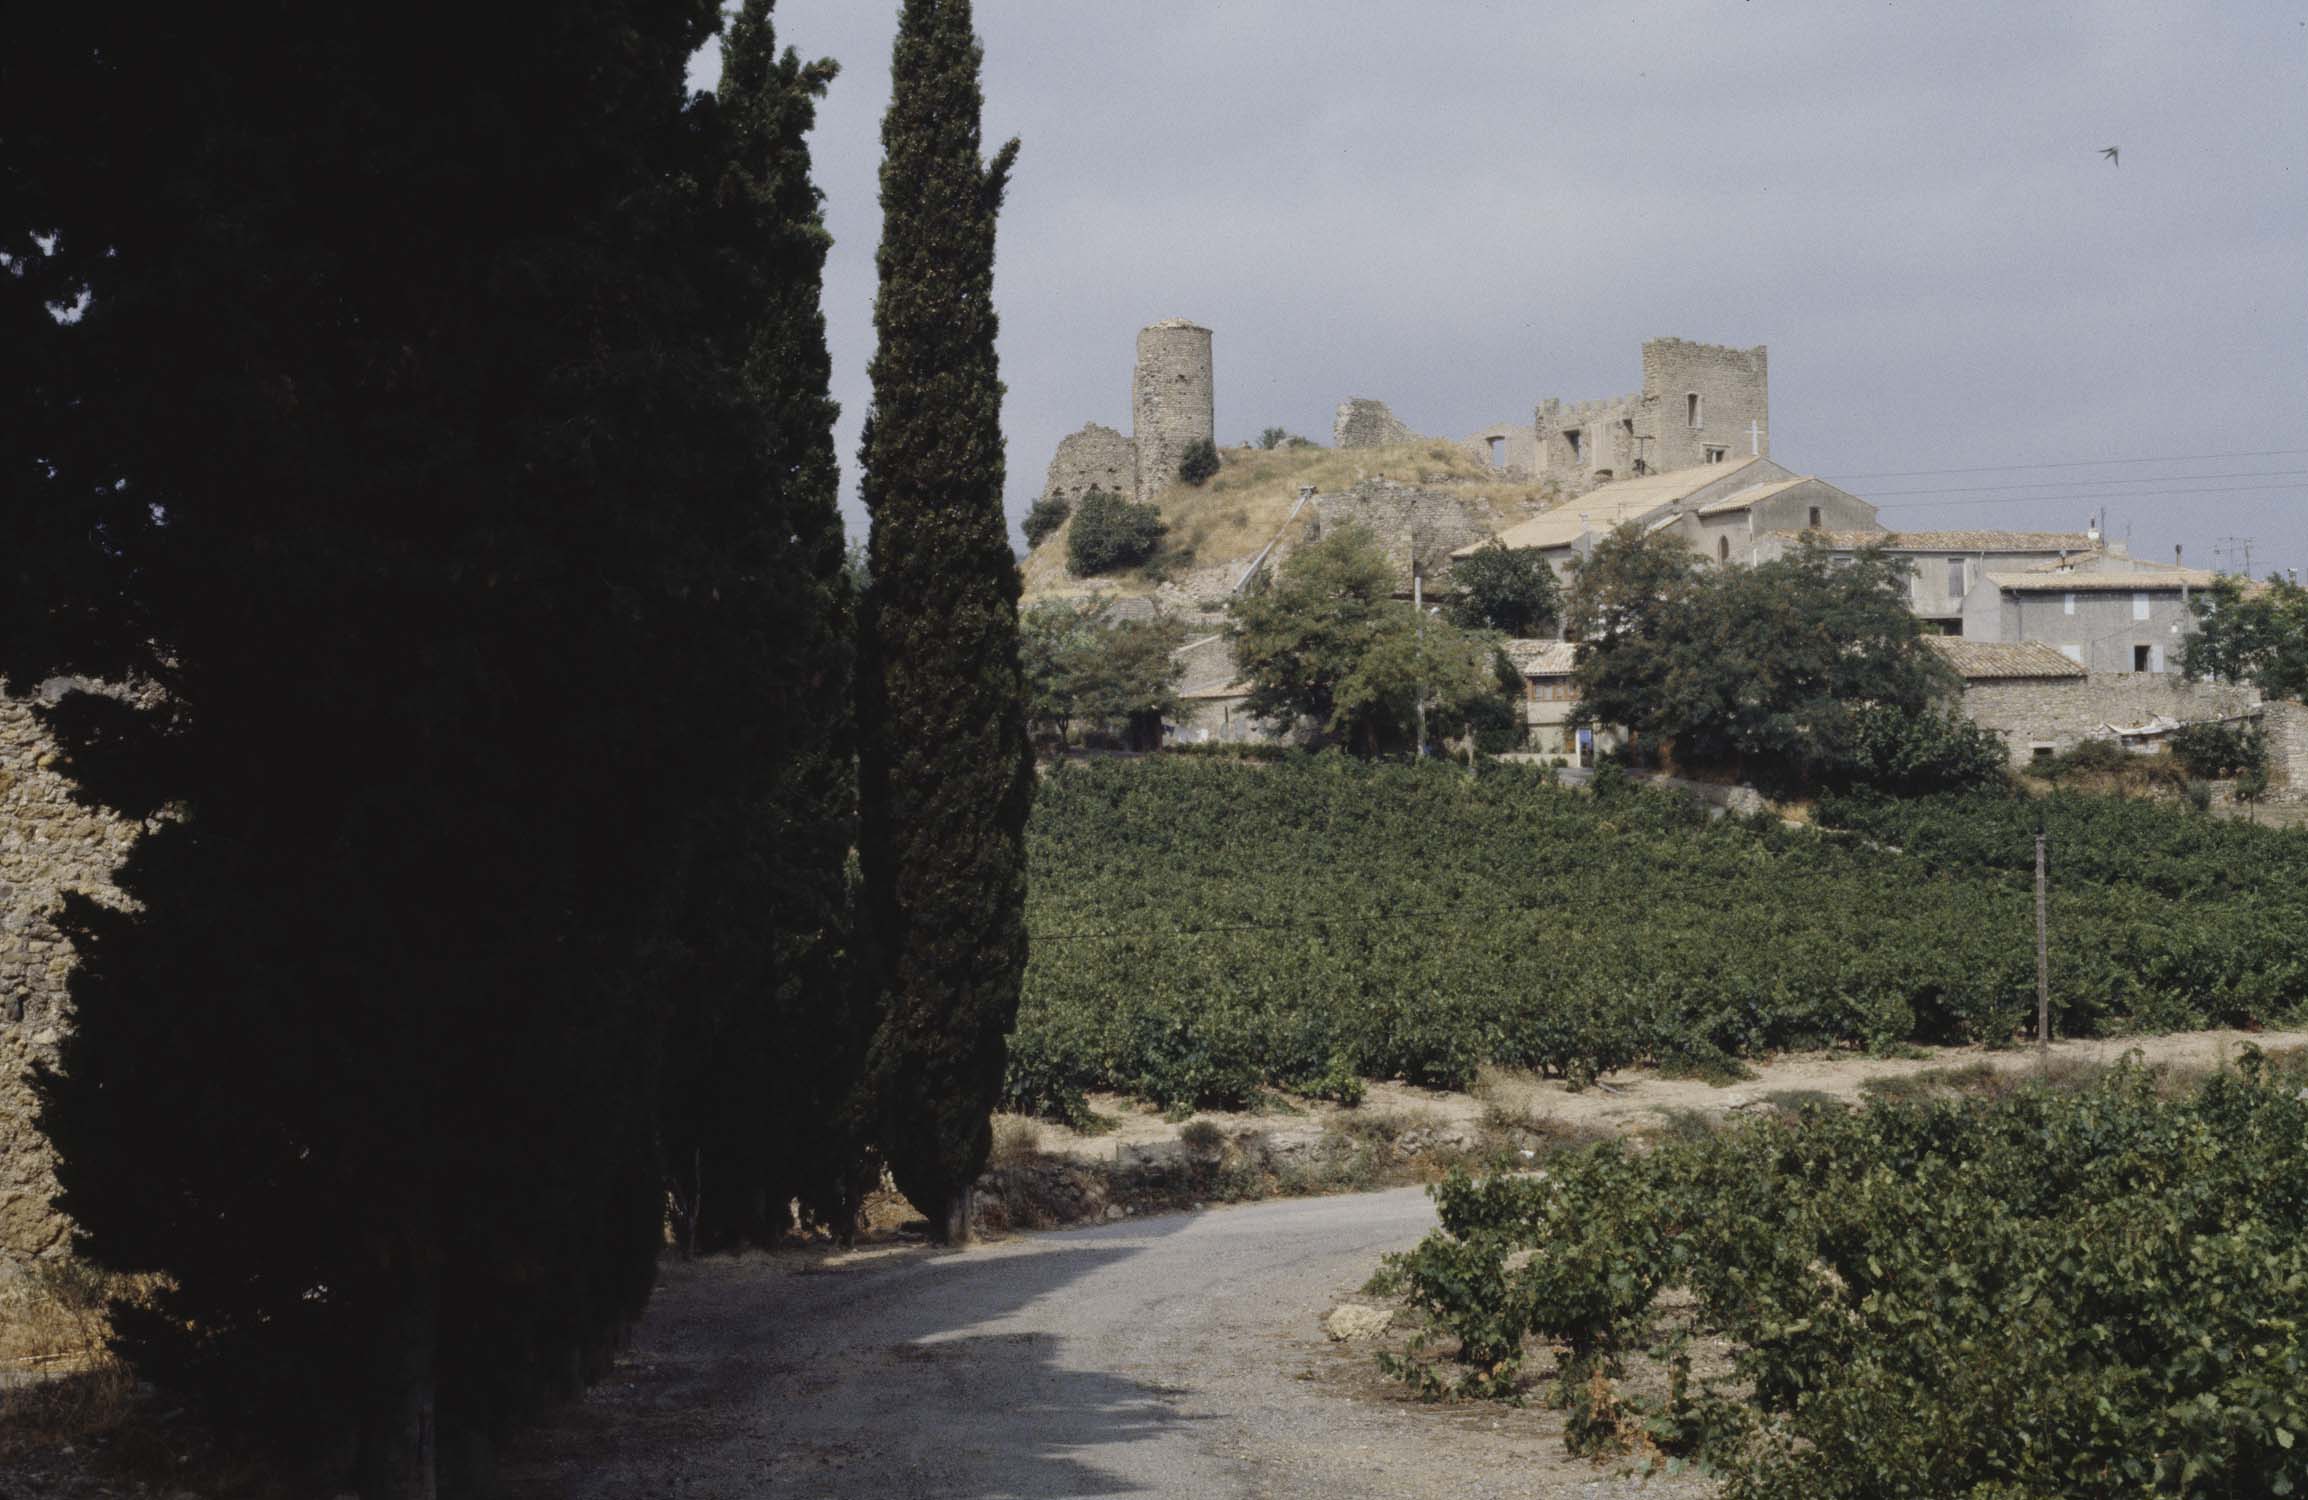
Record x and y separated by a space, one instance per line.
1241 510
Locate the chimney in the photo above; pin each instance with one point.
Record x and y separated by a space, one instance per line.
2092 529
2176 556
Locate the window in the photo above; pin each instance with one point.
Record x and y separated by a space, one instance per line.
1693 411
1722 549
1814 518
2068 603
2043 752
1572 437
1498 446
2139 606
1955 581
2072 652
1716 455
2140 658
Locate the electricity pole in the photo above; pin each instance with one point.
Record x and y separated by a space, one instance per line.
2043 956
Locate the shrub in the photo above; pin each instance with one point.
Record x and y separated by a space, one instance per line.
2217 751
1111 533
1932 750
1047 515
1200 463
1272 438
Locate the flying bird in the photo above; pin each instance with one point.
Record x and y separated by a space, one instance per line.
2110 153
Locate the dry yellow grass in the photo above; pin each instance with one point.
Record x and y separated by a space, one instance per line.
1245 506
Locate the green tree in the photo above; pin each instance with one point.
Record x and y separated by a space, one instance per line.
1273 438
1052 636
1200 462
424 505
946 771
1126 679
1512 591
1045 516
1111 533
1628 605
1329 642
768 1036
2247 633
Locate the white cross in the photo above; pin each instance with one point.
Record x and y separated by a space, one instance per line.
1755 438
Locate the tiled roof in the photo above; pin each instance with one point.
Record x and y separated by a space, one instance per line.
1746 498
1601 509
1541 658
1955 541
1979 661
2136 580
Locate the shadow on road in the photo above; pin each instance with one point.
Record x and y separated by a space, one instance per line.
748 1379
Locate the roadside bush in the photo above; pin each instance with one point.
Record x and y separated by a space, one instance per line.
2085 1293
1111 533
1915 753
1200 463
1046 516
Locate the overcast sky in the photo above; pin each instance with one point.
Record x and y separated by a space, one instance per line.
1463 206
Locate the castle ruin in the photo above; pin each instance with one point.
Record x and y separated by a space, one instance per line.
1173 406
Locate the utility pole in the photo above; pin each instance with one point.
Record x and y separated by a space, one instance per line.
1418 608
2043 956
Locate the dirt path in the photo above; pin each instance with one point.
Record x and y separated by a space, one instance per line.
1174 1356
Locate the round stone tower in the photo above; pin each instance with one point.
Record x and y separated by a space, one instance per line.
1173 405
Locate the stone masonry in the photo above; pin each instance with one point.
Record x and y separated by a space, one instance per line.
1096 458
1411 523
2286 726
1173 400
49 845
2059 712
1363 423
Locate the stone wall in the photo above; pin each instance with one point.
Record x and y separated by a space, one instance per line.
2286 726
48 845
1094 458
1173 400
1577 445
1511 449
2062 711
1363 423
1409 522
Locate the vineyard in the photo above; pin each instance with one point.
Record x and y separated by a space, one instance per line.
1204 931
2094 1293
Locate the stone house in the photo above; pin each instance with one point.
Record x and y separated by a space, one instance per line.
2042 701
1945 566
2111 613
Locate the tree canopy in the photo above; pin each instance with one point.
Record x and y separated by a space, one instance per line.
2255 634
1111 533
1328 642
1509 590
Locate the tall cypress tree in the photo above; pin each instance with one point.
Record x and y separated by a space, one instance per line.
946 772
770 1035
393 453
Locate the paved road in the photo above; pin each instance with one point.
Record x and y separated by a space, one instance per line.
1179 1355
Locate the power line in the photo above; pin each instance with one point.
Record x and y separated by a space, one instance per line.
2073 463
2128 496
2057 484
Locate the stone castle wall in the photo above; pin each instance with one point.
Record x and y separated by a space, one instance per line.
49 845
1173 402
1362 423
1409 522
2063 711
1578 444
2286 726
1096 458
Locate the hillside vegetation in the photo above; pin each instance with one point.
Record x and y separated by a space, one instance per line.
1203 930
1230 518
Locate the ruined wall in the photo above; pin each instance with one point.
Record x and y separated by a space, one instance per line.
1580 444
1363 423
1409 522
1733 387
1094 458
2286 726
1173 400
48 845
2062 711
1508 447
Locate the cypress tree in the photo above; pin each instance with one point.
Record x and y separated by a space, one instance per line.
393 456
770 1035
946 772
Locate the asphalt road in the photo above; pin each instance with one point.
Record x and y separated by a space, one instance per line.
1180 1355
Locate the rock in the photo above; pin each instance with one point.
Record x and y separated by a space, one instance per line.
1115 1211
1350 1321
